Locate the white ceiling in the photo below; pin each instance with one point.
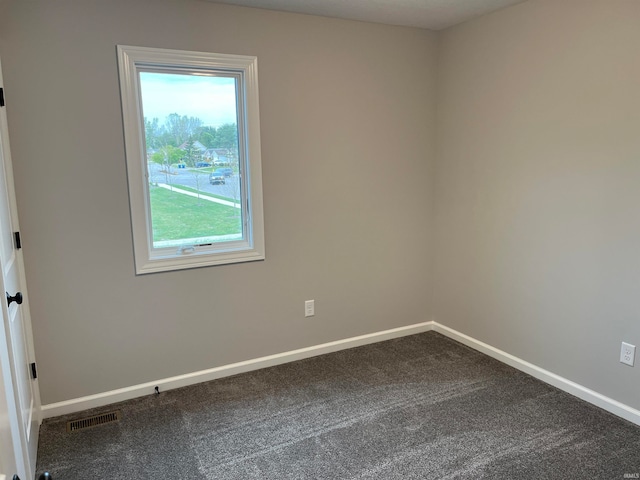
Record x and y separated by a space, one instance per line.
431 14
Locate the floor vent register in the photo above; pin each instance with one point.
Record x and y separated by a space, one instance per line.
95 421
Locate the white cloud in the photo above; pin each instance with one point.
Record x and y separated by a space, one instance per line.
210 98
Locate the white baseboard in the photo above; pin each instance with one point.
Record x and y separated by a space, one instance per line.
595 398
114 396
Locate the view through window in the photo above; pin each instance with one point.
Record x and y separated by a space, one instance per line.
191 138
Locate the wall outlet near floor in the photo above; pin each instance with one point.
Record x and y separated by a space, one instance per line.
309 308
627 353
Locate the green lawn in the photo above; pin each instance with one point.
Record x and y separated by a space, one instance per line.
176 216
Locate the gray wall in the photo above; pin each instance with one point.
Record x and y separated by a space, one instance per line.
537 232
347 112
537 197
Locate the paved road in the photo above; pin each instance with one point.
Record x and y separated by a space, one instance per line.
188 178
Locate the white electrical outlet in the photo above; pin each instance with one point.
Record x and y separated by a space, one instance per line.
309 308
627 353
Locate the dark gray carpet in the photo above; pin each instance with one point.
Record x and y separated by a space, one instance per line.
419 407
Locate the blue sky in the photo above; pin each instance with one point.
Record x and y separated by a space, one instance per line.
210 98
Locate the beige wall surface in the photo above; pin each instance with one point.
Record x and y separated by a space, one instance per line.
536 227
538 187
347 123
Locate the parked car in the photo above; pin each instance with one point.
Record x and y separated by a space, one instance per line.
202 164
227 172
216 178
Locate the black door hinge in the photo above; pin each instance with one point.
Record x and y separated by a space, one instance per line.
1 97
34 372
16 237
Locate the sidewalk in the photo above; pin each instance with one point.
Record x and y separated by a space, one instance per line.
202 196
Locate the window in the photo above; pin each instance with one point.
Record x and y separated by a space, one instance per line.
192 136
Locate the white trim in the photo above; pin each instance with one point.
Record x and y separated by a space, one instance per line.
577 390
113 396
78 404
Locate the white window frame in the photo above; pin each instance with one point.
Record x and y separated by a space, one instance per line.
132 60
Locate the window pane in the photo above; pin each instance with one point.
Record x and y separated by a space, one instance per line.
191 138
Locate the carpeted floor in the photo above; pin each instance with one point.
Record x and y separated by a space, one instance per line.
418 407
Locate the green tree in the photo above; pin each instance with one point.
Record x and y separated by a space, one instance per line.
168 155
227 137
207 136
182 127
153 133
192 154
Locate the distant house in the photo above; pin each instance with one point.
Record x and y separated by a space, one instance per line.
220 156
196 156
197 145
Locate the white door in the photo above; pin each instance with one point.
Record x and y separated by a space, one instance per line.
7 456
22 401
